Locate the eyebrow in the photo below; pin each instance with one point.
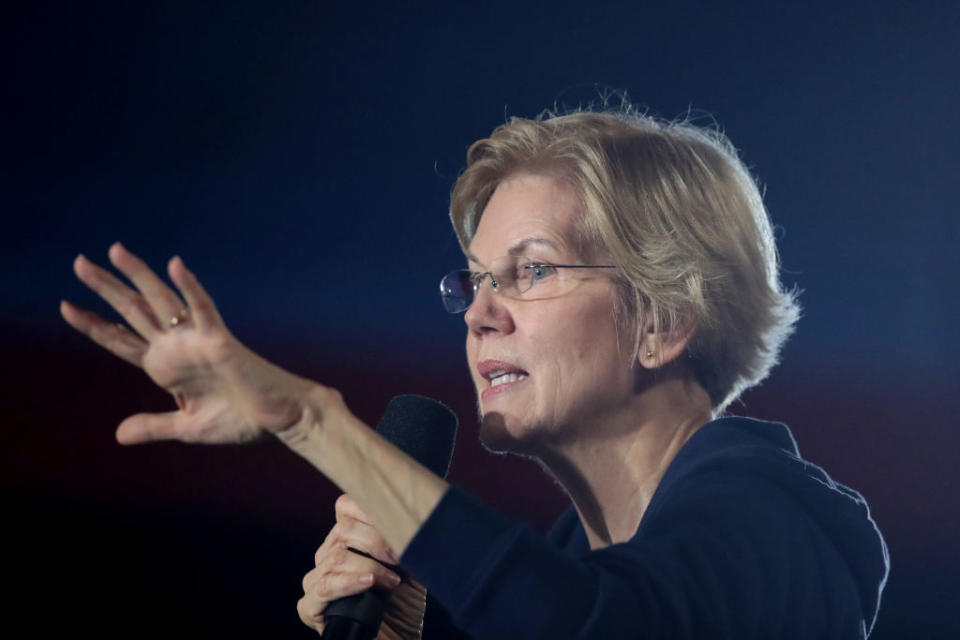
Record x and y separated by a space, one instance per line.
520 246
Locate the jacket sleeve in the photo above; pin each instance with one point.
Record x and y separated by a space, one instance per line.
721 559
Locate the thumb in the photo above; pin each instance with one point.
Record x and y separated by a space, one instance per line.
149 427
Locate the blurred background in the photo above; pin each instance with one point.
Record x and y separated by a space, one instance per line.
299 156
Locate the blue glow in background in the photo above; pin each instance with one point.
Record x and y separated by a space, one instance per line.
299 156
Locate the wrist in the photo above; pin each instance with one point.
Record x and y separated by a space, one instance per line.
319 406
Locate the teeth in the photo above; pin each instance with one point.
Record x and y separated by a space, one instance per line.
504 378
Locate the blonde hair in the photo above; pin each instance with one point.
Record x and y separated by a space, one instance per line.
679 215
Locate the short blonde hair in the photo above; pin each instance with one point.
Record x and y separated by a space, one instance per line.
679 215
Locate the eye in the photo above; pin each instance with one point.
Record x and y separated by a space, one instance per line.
537 271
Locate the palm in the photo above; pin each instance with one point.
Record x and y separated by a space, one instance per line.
187 364
225 392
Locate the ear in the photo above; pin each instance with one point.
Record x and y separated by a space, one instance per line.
657 348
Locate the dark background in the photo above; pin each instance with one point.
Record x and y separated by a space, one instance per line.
299 156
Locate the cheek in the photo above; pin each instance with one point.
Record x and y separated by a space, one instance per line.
593 359
567 363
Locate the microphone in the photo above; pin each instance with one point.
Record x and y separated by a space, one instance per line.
425 430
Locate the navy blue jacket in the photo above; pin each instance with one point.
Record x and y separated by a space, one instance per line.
742 539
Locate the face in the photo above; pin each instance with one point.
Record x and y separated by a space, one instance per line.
544 369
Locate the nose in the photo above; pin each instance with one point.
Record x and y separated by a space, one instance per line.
488 314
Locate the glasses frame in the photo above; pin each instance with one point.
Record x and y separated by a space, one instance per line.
478 277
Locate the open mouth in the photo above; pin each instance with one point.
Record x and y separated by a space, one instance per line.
502 376
505 378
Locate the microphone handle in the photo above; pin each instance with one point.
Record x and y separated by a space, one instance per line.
360 619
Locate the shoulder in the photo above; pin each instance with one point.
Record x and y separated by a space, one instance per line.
743 459
739 501
749 474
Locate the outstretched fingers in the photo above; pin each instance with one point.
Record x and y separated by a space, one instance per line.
128 303
166 305
152 307
203 311
115 338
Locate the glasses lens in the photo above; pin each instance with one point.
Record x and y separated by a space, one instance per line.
456 290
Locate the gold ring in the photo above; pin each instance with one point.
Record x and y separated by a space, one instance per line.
181 316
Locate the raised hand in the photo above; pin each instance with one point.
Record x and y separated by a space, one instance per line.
340 572
224 391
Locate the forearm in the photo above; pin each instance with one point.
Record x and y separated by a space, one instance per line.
396 491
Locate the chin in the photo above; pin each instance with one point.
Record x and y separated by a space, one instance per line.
497 437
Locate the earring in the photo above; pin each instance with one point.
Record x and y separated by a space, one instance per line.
650 354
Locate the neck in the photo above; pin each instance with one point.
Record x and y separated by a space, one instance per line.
612 471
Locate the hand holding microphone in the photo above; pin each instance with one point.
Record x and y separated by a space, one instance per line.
353 559
356 583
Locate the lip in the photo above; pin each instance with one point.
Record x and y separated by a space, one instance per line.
487 370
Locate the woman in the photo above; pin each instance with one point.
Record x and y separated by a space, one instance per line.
622 290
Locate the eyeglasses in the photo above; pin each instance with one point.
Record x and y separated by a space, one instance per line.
513 277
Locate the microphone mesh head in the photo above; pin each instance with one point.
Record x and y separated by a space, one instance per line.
423 428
